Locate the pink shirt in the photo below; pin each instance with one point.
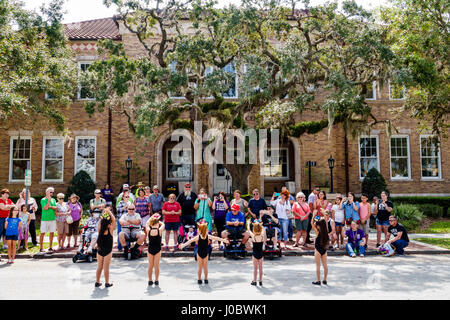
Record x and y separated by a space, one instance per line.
364 211
298 210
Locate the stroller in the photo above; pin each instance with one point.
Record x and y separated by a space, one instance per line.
133 253
83 255
235 248
185 233
269 249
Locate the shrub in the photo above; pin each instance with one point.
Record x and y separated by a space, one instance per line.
408 215
373 184
83 186
431 210
443 202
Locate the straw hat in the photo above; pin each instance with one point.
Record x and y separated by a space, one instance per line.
74 195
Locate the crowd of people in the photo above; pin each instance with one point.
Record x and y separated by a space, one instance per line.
147 217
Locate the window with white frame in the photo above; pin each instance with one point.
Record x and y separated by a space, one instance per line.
53 159
430 157
371 93
280 170
181 170
85 155
396 91
400 168
83 91
173 69
232 91
20 157
368 154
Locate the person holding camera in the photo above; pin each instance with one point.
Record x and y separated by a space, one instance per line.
220 206
351 209
202 205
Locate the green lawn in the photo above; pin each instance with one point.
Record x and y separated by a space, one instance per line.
444 243
31 249
438 227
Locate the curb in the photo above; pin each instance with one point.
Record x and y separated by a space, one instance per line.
220 254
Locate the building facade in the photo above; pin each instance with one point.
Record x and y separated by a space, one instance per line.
411 162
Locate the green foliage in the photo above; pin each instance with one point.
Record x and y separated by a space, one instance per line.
431 210
408 215
419 32
34 60
373 184
443 202
83 186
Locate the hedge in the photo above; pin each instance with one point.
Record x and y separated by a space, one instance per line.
443 202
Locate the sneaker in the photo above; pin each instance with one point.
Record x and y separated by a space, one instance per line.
353 255
206 281
260 283
199 281
156 283
361 255
150 283
341 246
377 246
107 285
97 284
253 283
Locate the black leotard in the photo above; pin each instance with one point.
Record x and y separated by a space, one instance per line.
202 247
257 249
105 244
154 242
321 250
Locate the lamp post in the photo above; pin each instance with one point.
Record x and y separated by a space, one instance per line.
128 165
331 165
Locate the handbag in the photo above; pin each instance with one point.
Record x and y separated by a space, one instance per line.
69 219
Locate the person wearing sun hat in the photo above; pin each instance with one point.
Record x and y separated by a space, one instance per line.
140 185
76 211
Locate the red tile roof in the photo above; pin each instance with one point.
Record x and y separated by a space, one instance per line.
105 28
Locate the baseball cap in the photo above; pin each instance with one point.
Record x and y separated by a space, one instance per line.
155 187
97 191
235 207
187 184
125 186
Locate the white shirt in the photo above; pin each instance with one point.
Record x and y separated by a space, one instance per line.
280 209
339 215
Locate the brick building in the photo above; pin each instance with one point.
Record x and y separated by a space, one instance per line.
410 162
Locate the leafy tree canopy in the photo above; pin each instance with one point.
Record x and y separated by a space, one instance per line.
34 60
283 56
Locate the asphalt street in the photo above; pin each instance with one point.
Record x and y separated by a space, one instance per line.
376 277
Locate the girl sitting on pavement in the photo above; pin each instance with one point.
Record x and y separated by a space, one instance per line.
12 226
202 239
258 237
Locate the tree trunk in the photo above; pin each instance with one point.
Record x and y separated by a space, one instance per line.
239 174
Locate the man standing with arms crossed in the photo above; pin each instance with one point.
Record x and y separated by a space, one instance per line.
48 221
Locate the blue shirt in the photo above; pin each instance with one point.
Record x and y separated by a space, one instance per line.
350 212
157 202
233 218
13 226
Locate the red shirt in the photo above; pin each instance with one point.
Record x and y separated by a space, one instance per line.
175 206
5 213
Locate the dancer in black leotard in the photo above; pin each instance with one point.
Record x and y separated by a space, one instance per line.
106 227
154 229
202 240
320 253
258 237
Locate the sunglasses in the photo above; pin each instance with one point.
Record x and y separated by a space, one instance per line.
131 209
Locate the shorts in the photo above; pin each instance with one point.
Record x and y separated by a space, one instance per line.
301 224
383 223
365 227
13 237
134 234
48 226
91 236
339 224
73 228
62 227
172 226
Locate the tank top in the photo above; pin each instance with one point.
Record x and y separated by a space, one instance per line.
202 247
322 205
258 249
105 243
154 242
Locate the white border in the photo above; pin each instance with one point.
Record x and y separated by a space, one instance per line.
11 158
167 168
76 152
404 93
79 84
439 159
269 178
408 178
359 152
43 159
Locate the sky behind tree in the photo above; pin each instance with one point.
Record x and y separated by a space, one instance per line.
82 10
